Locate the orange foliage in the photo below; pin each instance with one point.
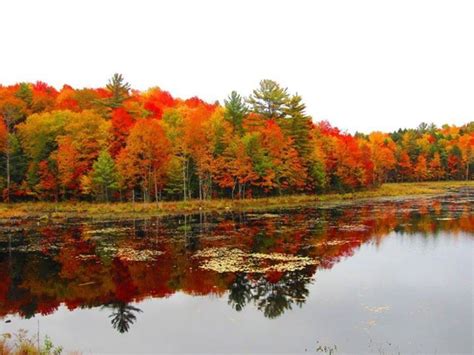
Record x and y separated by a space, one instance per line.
146 130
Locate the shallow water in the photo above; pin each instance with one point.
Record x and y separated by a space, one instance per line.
385 277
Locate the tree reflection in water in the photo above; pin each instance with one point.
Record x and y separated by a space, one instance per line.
272 298
118 263
122 315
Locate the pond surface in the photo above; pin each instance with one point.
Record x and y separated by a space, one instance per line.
383 276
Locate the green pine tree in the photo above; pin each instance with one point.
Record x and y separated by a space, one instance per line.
297 125
270 100
235 111
119 90
104 174
25 93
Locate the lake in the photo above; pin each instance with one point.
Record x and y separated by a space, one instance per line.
381 276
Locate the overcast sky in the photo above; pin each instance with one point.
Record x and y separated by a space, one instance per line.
362 65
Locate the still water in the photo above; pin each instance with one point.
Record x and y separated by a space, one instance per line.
384 276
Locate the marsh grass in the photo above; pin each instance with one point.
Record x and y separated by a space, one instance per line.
50 210
21 343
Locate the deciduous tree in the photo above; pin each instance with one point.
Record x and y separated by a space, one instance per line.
144 159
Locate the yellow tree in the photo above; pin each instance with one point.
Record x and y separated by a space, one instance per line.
89 133
382 149
144 159
421 168
197 138
435 167
466 144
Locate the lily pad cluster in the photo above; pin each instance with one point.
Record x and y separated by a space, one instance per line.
353 228
126 254
235 260
130 254
334 242
109 230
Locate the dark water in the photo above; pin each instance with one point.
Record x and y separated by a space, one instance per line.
382 277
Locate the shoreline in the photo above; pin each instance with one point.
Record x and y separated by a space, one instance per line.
118 210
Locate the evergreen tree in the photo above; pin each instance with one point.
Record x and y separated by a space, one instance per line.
269 100
19 162
235 111
422 128
174 179
25 93
298 126
119 90
104 174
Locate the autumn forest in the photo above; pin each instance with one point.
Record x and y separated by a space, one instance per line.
119 144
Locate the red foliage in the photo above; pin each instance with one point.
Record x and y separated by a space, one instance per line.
122 122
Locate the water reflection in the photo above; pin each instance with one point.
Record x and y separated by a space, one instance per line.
273 298
123 315
111 264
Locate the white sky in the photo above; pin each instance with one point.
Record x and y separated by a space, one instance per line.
362 65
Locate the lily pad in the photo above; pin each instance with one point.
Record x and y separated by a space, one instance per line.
235 260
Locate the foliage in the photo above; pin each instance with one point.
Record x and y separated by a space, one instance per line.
235 111
269 100
104 174
118 91
113 143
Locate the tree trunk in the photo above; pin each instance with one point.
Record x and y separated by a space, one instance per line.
188 179
211 190
156 186
145 194
184 179
200 188
233 189
8 170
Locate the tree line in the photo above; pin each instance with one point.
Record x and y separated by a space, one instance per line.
118 144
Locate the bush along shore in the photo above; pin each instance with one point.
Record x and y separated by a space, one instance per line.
69 209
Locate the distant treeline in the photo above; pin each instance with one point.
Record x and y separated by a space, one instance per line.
115 143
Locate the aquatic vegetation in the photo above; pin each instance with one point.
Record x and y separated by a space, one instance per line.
268 262
130 254
334 242
235 260
109 230
327 349
126 254
353 228
379 309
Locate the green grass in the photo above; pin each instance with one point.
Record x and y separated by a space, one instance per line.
48 210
